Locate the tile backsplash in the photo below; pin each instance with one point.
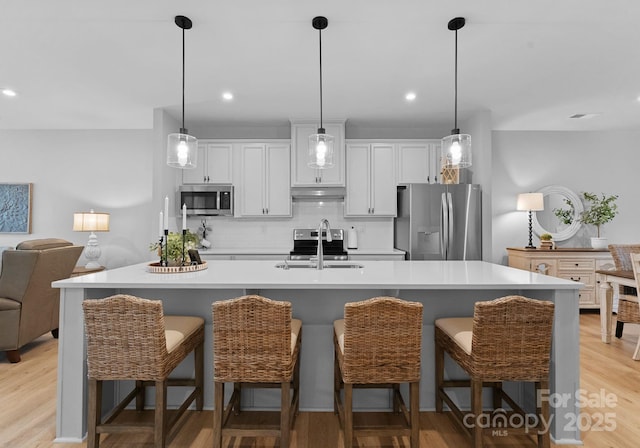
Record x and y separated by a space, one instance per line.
241 233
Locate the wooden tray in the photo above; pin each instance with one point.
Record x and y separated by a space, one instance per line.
155 268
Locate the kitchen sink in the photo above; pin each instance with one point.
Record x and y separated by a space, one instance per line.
312 265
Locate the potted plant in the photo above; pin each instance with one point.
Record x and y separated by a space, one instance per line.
174 247
598 211
545 241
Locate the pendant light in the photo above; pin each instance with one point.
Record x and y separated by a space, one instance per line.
181 147
320 144
456 148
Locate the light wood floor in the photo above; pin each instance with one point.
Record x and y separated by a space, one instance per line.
28 393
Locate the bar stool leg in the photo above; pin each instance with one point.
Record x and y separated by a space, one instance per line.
218 413
140 398
439 376
94 417
285 411
348 415
414 391
476 409
198 359
543 412
160 435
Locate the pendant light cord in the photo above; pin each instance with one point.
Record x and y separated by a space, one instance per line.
183 78
455 94
320 35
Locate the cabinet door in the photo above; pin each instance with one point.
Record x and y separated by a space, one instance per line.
301 174
198 174
277 191
547 266
252 180
434 161
219 163
413 163
383 184
358 191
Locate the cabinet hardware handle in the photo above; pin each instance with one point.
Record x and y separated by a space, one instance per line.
577 264
267 211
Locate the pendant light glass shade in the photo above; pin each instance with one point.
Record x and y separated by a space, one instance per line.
320 144
456 148
321 150
182 148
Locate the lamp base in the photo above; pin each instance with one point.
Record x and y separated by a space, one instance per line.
92 265
530 247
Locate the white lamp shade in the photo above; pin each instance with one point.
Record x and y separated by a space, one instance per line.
456 151
321 151
90 222
182 151
530 202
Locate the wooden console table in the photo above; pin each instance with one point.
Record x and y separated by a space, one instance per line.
577 264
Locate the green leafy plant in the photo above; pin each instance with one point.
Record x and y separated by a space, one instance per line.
546 237
174 248
599 210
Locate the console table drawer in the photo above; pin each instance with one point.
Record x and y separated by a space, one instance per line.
576 265
588 278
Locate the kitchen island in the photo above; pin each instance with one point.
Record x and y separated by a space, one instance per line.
445 288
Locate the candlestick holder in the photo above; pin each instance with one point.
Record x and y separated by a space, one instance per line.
184 235
160 241
166 248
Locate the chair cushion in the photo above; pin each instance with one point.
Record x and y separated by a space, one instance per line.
42 244
178 328
459 329
338 328
296 325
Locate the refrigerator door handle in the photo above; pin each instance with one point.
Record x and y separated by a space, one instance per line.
444 228
449 222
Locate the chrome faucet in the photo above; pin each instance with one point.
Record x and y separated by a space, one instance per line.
323 223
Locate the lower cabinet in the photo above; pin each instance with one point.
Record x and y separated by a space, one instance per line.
575 264
376 257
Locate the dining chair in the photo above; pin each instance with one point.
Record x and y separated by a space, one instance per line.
377 345
635 264
130 338
507 339
628 296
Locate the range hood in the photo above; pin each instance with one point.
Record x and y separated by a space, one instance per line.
318 193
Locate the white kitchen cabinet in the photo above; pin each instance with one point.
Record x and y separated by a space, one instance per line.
371 184
214 164
301 174
263 185
418 162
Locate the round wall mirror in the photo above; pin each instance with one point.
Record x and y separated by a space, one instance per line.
546 221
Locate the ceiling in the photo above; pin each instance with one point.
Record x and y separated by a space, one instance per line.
79 64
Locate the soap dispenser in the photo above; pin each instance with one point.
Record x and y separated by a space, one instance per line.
352 238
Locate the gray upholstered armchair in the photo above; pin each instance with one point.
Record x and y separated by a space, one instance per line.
29 306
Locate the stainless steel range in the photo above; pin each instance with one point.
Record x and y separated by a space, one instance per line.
305 245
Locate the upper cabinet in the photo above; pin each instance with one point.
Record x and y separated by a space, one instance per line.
418 162
301 174
262 187
371 185
214 164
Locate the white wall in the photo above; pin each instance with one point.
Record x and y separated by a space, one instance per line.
109 171
597 162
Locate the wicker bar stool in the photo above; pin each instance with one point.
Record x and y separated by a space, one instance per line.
256 344
129 338
507 339
628 308
377 345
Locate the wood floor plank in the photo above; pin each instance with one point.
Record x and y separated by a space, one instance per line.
28 394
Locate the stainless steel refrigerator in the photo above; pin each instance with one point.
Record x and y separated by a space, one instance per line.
439 222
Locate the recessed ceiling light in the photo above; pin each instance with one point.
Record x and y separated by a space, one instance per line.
227 96
410 96
9 92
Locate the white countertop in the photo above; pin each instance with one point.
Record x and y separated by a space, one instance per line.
374 274
286 250
374 251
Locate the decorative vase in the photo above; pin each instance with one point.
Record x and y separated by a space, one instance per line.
599 243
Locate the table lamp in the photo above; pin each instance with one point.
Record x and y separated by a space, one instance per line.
530 202
91 222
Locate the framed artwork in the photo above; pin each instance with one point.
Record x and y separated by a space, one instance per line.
15 208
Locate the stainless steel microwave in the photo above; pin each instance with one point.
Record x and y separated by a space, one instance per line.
207 200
